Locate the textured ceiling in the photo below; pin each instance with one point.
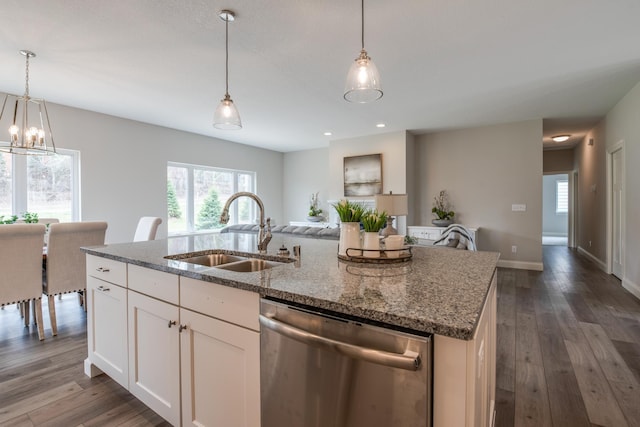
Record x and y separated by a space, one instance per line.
443 64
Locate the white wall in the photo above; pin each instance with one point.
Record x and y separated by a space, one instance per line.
124 166
392 146
485 170
305 172
553 223
622 124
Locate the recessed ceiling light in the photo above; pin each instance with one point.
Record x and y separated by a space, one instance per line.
328 134
380 125
560 138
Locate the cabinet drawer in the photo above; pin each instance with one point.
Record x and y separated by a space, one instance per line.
157 284
107 269
225 303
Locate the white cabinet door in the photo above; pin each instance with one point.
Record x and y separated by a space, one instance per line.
220 373
107 328
154 355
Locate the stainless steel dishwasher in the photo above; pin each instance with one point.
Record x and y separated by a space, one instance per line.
318 370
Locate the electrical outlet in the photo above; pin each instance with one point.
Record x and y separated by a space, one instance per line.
514 249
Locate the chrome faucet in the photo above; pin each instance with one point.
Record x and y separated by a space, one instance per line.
263 238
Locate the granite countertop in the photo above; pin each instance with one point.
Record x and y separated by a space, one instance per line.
440 290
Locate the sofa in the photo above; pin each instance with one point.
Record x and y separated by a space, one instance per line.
313 232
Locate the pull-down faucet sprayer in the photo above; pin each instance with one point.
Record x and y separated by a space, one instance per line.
263 238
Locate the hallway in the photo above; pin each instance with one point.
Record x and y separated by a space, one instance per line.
568 346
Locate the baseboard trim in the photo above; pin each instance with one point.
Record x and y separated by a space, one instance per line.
520 265
592 257
634 288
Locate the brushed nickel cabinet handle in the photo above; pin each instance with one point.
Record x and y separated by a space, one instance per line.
103 289
172 322
102 269
182 328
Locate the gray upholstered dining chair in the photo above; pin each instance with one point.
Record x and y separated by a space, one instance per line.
147 228
66 264
21 266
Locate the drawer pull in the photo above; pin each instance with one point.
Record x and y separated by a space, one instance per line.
102 269
171 322
103 289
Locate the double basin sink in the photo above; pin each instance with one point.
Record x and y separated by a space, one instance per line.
243 262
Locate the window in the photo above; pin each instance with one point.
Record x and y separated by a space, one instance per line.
46 185
197 194
562 197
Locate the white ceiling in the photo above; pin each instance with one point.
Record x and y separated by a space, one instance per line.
443 64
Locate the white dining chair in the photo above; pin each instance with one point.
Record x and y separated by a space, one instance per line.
21 266
66 263
147 228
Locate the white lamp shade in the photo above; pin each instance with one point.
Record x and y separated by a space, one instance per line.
392 204
226 116
363 81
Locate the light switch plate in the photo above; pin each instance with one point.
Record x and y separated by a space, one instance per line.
519 207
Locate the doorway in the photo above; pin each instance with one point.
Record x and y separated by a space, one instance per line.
555 209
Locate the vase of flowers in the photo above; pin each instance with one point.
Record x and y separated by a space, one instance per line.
373 222
350 215
315 213
442 210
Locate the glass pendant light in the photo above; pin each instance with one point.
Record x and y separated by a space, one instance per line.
226 116
26 122
363 80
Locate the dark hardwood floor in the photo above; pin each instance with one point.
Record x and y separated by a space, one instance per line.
568 355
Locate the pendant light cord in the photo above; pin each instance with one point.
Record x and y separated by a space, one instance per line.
226 36
362 20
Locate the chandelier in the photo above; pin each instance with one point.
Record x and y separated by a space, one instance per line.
26 122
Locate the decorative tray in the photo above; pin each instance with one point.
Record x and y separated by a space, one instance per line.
404 255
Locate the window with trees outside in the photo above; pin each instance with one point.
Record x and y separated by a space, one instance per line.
44 185
196 195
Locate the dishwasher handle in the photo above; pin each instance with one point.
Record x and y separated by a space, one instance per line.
409 360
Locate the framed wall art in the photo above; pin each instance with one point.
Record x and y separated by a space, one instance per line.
363 175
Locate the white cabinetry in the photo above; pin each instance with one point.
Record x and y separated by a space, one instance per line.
428 235
188 349
107 319
154 354
465 374
220 360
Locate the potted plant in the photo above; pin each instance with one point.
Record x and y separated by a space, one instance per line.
315 213
350 214
442 210
373 222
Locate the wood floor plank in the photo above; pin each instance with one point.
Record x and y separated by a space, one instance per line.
505 408
566 319
625 388
532 400
602 407
21 421
39 400
565 401
630 352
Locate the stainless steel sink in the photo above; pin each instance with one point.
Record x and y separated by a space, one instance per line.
243 262
212 260
249 265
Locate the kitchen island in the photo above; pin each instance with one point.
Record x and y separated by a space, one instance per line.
444 292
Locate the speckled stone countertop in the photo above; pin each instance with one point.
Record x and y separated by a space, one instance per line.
440 290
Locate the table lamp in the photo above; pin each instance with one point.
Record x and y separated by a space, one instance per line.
393 205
